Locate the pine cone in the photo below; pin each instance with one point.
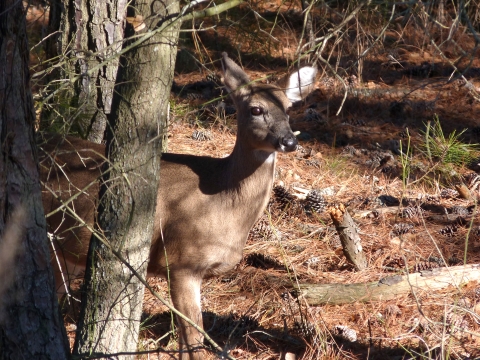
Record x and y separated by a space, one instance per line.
476 233
395 262
431 199
448 194
455 323
454 261
425 265
194 96
449 230
202 135
411 212
264 231
304 328
402 228
345 333
435 259
315 203
459 210
213 78
471 179
284 198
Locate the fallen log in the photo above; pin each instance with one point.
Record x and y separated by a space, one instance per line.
389 287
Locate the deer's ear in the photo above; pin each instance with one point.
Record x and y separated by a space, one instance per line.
300 83
233 75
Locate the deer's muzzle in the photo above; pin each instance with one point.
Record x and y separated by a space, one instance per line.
288 143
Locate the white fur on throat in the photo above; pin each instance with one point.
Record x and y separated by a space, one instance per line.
271 158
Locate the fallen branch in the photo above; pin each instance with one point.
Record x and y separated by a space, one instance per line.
349 237
389 287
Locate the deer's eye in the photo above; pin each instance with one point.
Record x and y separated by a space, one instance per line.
256 111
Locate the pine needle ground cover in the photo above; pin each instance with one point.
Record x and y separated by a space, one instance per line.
253 311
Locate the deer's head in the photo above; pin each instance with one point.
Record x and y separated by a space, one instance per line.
263 123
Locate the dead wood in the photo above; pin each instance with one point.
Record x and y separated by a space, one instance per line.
449 219
349 237
389 287
464 192
378 211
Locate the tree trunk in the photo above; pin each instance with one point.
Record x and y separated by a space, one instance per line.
91 32
112 299
30 323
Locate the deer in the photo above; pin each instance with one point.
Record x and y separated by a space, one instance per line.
205 206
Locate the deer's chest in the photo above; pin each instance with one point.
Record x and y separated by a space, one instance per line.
208 235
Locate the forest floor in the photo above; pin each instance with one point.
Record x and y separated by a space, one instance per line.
351 159
354 158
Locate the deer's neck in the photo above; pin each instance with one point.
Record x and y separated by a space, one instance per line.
251 172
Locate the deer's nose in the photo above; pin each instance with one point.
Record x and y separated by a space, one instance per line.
288 143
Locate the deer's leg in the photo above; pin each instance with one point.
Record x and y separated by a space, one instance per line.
185 293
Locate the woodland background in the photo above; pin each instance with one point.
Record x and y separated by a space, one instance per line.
390 132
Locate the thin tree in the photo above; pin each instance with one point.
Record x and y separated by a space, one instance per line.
112 301
30 323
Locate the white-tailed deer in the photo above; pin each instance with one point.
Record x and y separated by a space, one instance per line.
205 206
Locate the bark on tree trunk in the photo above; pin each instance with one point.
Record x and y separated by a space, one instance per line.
30 323
91 32
110 320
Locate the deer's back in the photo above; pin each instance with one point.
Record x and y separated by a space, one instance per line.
197 223
70 168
